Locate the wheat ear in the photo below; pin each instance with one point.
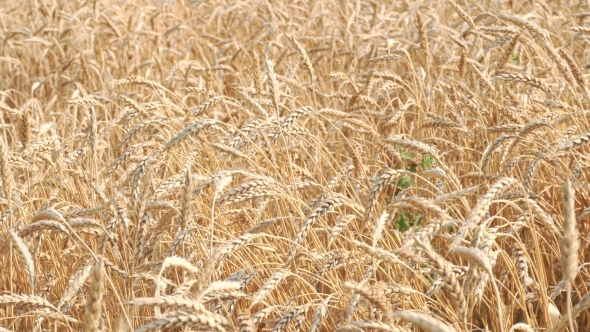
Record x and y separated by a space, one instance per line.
569 245
94 301
25 257
424 321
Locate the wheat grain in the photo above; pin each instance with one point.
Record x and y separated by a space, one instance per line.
268 286
376 298
180 318
479 211
377 326
521 327
449 278
569 244
319 211
25 257
94 302
524 79
424 321
422 33
27 301
385 178
288 317
244 321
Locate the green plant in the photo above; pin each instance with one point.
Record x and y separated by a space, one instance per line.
427 162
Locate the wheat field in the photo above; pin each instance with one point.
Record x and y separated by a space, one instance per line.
295 166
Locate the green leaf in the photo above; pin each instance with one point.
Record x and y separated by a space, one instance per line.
427 162
405 155
404 182
401 224
515 58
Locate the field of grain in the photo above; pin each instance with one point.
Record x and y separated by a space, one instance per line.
269 165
